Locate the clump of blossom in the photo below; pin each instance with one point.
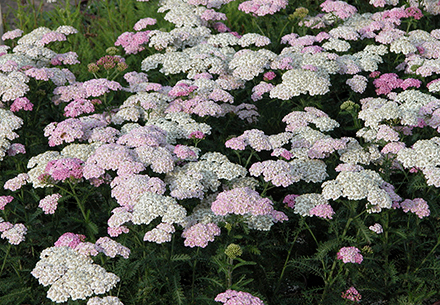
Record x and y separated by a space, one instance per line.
417 206
357 83
200 234
49 203
289 200
15 149
231 297
245 201
13 233
111 248
4 200
143 23
71 275
16 183
160 234
359 185
12 34
298 119
376 228
340 8
66 131
10 122
133 42
109 300
351 294
69 240
65 168
350 255
323 211
262 7
305 203
21 103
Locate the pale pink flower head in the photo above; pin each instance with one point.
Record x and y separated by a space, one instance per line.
200 234
49 203
196 135
376 228
4 200
70 240
350 255
143 23
12 34
16 149
21 103
351 294
233 297
414 12
340 8
63 169
269 75
290 200
52 36
323 211
417 206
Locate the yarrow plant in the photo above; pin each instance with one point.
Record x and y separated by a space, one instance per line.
211 151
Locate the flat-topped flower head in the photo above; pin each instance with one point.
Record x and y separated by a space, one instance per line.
350 255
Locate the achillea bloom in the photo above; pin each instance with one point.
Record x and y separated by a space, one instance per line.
12 34
160 234
323 211
143 23
16 149
71 275
69 240
262 7
232 297
16 183
200 234
4 200
352 294
65 131
417 206
66 168
340 8
13 233
350 255
105 300
49 203
376 228
21 103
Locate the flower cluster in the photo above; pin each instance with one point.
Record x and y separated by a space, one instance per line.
350 255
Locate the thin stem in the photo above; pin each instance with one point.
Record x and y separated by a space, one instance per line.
4 260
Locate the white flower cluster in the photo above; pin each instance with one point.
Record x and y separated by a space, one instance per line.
13 85
354 153
13 233
304 203
104 301
247 64
9 123
149 206
71 275
359 185
424 155
194 178
299 81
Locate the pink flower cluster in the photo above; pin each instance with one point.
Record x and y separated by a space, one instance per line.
262 7
323 211
417 206
104 245
21 103
390 81
133 42
350 255
143 23
66 168
49 203
340 8
4 200
13 233
200 234
233 297
352 294
242 201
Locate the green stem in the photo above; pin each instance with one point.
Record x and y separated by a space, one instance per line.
277 287
229 274
330 280
194 275
4 260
